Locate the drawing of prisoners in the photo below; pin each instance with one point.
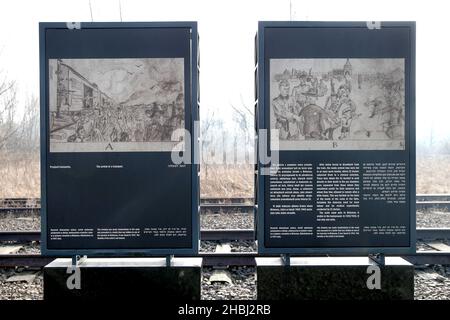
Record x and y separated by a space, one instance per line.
338 104
121 105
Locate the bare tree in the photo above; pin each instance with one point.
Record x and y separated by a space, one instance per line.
207 124
28 133
243 116
19 142
8 104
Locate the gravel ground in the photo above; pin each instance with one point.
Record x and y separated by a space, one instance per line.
33 290
207 246
226 221
30 248
20 221
31 221
431 283
433 219
27 248
243 286
425 219
243 246
236 246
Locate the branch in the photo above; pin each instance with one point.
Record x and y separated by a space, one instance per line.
8 87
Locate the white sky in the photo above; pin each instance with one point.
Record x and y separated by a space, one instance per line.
121 78
227 29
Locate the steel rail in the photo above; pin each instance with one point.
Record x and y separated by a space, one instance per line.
20 236
433 197
224 234
432 233
35 202
419 197
204 208
226 205
242 207
206 235
437 205
211 259
221 200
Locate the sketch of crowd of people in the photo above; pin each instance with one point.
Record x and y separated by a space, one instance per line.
320 106
122 123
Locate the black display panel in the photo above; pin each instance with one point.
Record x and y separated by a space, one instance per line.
116 101
338 102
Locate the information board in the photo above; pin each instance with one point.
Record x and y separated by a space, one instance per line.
117 100
338 102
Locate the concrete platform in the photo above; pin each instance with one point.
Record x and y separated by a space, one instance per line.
125 279
333 278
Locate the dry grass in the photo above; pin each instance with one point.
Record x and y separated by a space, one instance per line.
433 174
19 175
226 181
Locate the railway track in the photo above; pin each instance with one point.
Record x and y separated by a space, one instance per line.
224 205
433 197
423 234
211 259
207 205
428 236
19 204
433 201
205 235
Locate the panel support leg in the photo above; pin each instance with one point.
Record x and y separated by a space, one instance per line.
169 259
378 258
286 259
77 260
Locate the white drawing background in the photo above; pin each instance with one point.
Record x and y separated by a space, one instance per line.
119 104
365 133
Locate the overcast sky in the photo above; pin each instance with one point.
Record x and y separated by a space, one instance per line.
123 78
227 29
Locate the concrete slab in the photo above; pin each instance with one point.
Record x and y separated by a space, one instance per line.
23 277
9 249
223 248
221 276
440 246
334 278
124 278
